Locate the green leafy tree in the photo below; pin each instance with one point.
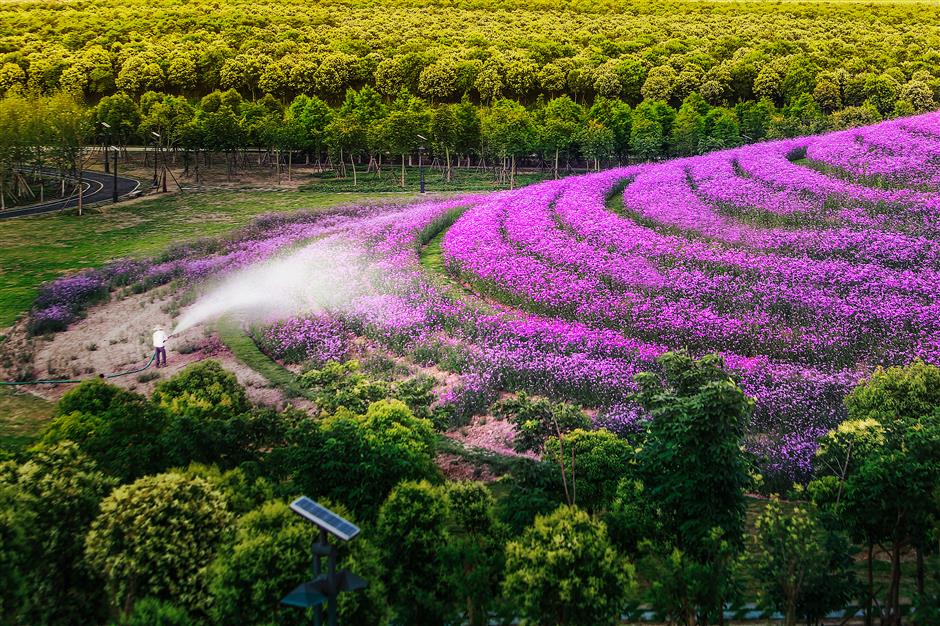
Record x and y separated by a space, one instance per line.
688 131
357 459
204 390
722 129
693 464
659 83
475 551
790 549
408 117
597 461
616 115
120 112
538 419
59 490
565 571
559 126
882 91
647 134
155 537
412 530
119 430
886 467
596 141
508 132
469 128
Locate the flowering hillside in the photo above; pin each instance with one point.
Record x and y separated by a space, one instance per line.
805 262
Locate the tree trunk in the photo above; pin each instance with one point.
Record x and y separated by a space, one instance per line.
869 617
353 163
447 156
290 161
556 162
402 171
892 615
920 571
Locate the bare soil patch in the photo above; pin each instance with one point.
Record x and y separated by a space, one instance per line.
115 337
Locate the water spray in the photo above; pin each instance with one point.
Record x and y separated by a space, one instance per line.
325 275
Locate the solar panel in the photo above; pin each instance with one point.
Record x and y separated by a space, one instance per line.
324 518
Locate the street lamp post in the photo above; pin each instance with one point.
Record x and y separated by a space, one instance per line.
107 134
156 182
114 183
421 161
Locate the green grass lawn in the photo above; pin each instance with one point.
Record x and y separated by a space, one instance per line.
462 179
37 249
22 416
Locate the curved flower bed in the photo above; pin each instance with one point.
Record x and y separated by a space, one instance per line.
803 279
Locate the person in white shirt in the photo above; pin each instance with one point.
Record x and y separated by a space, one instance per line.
159 344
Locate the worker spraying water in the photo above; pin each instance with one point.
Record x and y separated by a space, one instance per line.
159 345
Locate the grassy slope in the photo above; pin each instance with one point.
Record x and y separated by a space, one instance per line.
21 418
37 249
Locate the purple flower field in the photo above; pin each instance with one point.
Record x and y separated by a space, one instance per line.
805 262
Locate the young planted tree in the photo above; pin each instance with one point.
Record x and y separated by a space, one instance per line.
616 115
561 121
412 531
155 537
508 132
788 547
597 142
445 134
879 470
694 467
469 133
70 127
564 571
408 118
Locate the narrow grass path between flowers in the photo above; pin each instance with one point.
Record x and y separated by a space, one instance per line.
245 349
873 181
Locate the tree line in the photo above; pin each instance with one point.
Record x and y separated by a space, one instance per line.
171 509
367 131
839 53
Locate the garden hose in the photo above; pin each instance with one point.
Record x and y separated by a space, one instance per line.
72 381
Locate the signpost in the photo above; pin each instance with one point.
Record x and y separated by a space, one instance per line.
325 586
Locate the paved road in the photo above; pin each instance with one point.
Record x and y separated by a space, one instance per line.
98 188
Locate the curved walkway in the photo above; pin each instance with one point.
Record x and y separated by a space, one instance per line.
98 189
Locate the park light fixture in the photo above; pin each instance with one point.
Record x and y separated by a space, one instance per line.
106 141
421 160
325 586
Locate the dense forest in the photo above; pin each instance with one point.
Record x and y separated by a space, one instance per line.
491 84
841 53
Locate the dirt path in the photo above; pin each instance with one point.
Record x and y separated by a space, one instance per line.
116 337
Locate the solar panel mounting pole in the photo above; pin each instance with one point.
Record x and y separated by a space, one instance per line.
325 587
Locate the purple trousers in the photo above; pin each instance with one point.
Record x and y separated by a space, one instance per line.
161 352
